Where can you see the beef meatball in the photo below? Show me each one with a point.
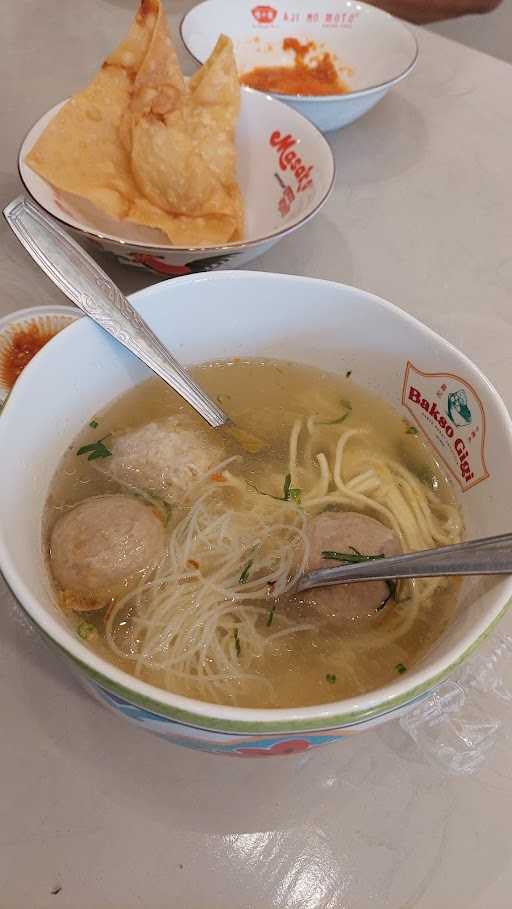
(101, 546)
(339, 531)
(166, 457)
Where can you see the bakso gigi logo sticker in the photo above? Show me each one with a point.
(450, 413)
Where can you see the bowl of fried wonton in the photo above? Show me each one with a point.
(170, 174)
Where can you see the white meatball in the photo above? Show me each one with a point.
(165, 458)
(339, 531)
(101, 546)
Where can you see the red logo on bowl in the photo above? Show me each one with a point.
(264, 15)
(289, 159)
(450, 413)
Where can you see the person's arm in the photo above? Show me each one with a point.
(424, 11)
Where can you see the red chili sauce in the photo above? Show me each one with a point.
(23, 345)
(319, 77)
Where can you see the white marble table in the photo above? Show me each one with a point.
(422, 215)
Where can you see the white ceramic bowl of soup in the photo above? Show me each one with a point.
(243, 314)
(371, 50)
(286, 173)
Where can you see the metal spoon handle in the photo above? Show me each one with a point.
(82, 280)
(491, 555)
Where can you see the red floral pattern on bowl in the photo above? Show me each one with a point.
(293, 746)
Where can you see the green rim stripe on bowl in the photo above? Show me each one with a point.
(217, 725)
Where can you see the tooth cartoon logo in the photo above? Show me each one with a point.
(458, 411)
(450, 413)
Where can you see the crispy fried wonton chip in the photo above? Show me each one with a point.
(144, 147)
(214, 106)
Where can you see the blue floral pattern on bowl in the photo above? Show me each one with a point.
(206, 740)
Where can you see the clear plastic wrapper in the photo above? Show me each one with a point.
(458, 724)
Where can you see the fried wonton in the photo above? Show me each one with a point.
(143, 146)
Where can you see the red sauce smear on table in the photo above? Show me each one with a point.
(320, 77)
(23, 345)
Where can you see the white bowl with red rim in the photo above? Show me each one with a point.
(371, 49)
(285, 169)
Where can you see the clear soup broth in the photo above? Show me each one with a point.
(174, 549)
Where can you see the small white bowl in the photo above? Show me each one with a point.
(276, 202)
(46, 321)
(378, 49)
(253, 314)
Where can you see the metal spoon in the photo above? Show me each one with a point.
(490, 555)
(82, 280)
